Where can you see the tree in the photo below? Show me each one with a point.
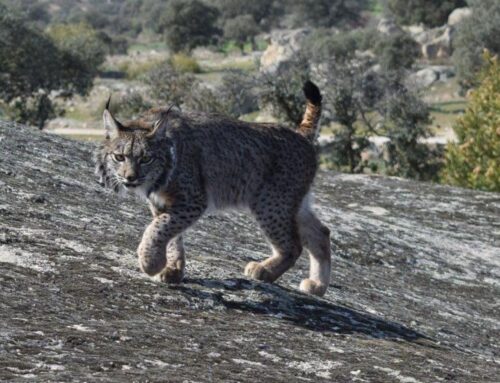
(393, 52)
(359, 100)
(234, 97)
(324, 44)
(474, 34)
(397, 51)
(29, 70)
(241, 29)
(326, 13)
(33, 11)
(474, 161)
(430, 12)
(265, 13)
(187, 24)
(83, 51)
(282, 91)
(349, 94)
(406, 121)
(32, 65)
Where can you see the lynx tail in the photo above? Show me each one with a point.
(310, 122)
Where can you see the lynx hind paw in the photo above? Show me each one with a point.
(256, 271)
(171, 275)
(310, 286)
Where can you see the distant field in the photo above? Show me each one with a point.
(83, 137)
(85, 112)
(143, 47)
(445, 114)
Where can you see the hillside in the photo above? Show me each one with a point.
(414, 294)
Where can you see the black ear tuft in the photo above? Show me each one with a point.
(108, 102)
(312, 93)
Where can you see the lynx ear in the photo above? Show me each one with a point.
(111, 124)
(159, 129)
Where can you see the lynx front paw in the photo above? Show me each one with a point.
(255, 270)
(310, 286)
(171, 275)
(152, 259)
(152, 266)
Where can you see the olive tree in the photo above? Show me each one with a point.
(32, 65)
(187, 24)
(477, 32)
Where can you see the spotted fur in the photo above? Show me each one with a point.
(186, 163)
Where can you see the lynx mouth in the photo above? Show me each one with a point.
(134, 184)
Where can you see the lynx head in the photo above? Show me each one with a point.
(137, 155)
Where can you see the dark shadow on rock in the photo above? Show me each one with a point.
(312, 313)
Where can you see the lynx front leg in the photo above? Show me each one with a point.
(161, 231)
(176, 261)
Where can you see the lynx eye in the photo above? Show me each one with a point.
(119, 157)
(146, 159)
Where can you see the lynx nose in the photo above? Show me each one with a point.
(131, 177)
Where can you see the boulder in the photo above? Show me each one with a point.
(435, 42)
(423, 78)
(425, 36)
(458, 15)
(428, 76)
(413, 298)
(414, 30)
(388, 26)
(438, 47)
(283, 46)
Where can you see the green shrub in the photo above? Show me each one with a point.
(234, 97)
(474, 161)
(183, 63)
(204, 99)
(131, 105)
(137, 70)
(430, 12)
(167, 85)
(33, 110)
(238, 93)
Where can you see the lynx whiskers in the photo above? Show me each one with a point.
(184, 162)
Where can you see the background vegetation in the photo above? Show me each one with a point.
(58, 56)
(474, 161)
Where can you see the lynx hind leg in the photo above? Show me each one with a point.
(176, 262)
(315, 238)
(281, 229)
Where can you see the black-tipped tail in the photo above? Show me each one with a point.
(312, 93)
(310, 122)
